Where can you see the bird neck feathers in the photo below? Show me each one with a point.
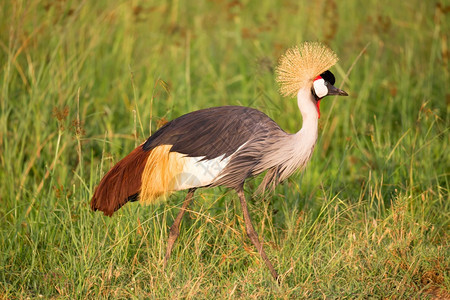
(307, 105)
(307, 136)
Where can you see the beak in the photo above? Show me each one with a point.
(332, 90)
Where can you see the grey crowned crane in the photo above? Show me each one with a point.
(225, 146)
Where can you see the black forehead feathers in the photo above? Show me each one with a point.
(328, 76)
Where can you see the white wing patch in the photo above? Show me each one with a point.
(198, 172)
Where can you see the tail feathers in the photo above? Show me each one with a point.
(121, 184)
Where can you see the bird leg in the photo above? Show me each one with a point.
(251, 233)
(175, 228)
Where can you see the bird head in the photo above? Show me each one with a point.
(307, 67)
(323, 86)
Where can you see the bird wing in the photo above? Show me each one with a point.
(211, 132)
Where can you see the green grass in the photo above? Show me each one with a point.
(83, 82)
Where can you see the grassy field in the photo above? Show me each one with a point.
(83, 82)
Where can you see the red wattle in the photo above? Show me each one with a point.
(318, 101)
(318, 107)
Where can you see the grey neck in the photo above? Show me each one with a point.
(306, 104)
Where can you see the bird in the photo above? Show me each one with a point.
(223, 146)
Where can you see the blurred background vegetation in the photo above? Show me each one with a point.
(84, 82)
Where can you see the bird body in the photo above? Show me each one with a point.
(219, 146)
(223, 146)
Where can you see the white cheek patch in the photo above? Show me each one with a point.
(320, 88)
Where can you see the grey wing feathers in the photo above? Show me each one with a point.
(211, 132)
(251, 159)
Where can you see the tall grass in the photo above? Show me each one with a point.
(83, 82)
